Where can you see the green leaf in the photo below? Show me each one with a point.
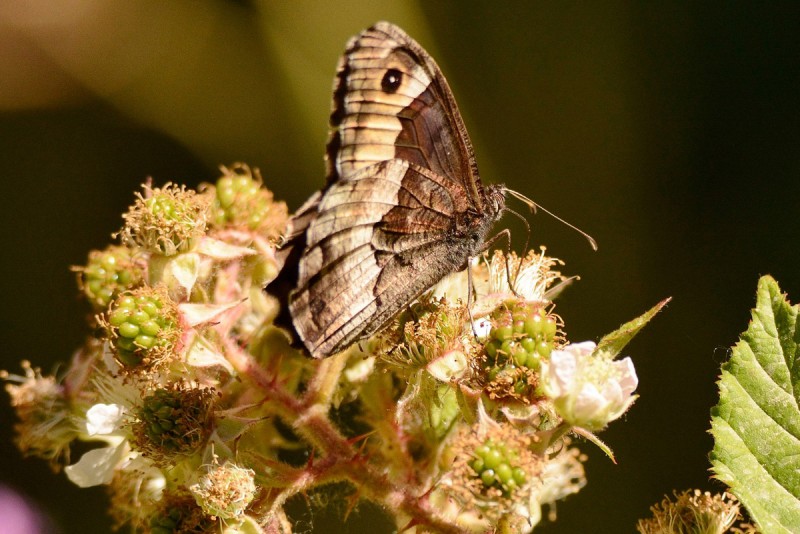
(612, 344)
(756, 424)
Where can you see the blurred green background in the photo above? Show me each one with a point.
(669, 131)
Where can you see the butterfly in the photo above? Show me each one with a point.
(403, 205)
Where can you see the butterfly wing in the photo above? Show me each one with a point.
(403, 206)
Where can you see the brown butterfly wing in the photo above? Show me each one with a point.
(403, 206)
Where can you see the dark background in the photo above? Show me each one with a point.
(669, 131)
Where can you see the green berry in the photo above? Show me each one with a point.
(550, 328)
(491, 348)
(528, 344)
(519, 354)
(145, 341)
(520, 477)
(119, 316)
(150, 327)
(502, 333)
(478, 465)
(544, 349)
(487, 477)
(128, 330)
(533, 325)
(493, 459)
(533, 361)
(504, 473)
(126, 302)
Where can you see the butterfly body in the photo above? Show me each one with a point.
(403, 205)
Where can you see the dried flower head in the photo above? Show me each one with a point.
(225, 491)
(135, 491)
(435, 339)
(45, 427)
(165, 220)
(532, 276)
(562, 475)
(694, 512)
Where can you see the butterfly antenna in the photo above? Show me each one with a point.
(534, 206)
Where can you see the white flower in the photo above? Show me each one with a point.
(589, 390)
(103, 418)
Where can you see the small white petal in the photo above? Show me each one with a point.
(103, 418)
(202, 353)
(197, 314)
(584, 348)
(452, 364)
(629, 381)
(185, 269)
(221, 250)
(96, 466)
(482, 327)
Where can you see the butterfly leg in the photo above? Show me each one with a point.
(507, 235)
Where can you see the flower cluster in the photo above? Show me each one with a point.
(458, 416)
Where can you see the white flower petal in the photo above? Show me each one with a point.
(197, 314)
(482, 327)
(452, 364)
(202, 353)
(96, 466)
(185, 269)
(221, 250)
(103, 418)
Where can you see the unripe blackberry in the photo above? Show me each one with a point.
(494, 463)
(108, 273)
(173, 421)
(167, 220)
(240, 201)
(143, 327)
(522, 334)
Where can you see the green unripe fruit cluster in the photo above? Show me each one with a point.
(163, 207)
(138, 322)
(494, 465)
(173, 421)
(522, 336)
(239, 200)
(107, 274)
